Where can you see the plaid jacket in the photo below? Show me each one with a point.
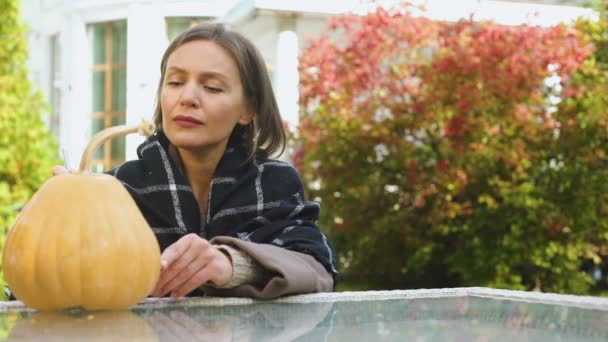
(260, 201)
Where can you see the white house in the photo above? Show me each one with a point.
(97, 61)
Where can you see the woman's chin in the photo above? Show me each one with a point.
(193, 141)
(185, 142)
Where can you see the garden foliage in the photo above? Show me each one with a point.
(27, 149)
(459, 154)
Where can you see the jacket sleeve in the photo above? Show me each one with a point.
(289, 272)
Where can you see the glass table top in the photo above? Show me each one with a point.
(466, 314)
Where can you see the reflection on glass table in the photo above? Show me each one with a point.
(472, 314)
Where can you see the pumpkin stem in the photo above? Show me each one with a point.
(145, 128)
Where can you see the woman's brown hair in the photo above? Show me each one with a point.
(265, 135)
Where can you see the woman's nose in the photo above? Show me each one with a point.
(190, 96)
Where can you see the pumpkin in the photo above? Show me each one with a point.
(81, 241)
(96, 326)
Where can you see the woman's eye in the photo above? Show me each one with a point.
(174, 83)
(214, 89)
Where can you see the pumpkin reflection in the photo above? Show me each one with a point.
(89, 326)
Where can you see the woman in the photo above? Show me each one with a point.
(230, 221)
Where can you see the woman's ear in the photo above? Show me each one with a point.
(246, 118)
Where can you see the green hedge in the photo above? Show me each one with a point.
(27, 149)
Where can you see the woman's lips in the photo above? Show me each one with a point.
(187, 121)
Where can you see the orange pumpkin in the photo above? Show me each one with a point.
(81, 241)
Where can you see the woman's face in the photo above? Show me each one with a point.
(202, 97)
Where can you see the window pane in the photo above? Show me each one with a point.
(96, 126)
(119, 89)
(175, 26)
(99, 43)
(97, 167)
(118, 144)
(99, 91)
(119, 42)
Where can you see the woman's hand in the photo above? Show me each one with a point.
(189, 263)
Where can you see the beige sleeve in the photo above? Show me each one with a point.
(288, 272)
(244, 269)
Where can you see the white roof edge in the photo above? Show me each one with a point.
(241, 10)
(502, 12)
